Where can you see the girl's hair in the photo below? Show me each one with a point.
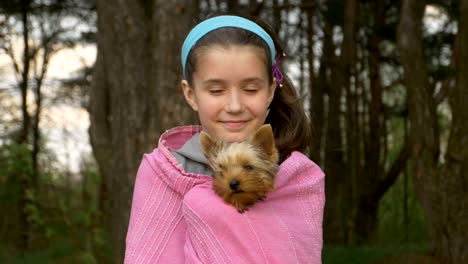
(287, 116)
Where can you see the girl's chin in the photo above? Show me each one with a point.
(233, 134)
(234, 137)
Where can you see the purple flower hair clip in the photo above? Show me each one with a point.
(277, 72)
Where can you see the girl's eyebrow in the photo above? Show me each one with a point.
(214, 81)
(244, 81)
(252, 80)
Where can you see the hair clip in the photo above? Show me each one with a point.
(277, 72)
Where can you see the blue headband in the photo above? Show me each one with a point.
(211, 24)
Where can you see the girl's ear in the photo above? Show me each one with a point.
(272, 92)
(189, 95)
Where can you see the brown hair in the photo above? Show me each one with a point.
(287, 116)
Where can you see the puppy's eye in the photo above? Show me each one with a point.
(248, 167)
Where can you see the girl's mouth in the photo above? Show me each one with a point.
(234, 124)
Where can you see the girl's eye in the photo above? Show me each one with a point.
(252, 87)
(216, 91)
(251, 90)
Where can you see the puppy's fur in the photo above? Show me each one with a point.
(244, 172)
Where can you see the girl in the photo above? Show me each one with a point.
(233, 81)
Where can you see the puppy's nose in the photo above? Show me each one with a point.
(234, 184)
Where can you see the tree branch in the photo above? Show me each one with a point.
(392, 174)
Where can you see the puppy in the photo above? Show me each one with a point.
(244, 172)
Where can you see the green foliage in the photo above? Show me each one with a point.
(15, 172)
(366, 254)
(57, 250)
(15, 165)
(397, 226)
(400, 217)
(65, 219)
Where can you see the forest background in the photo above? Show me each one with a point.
(384, 83)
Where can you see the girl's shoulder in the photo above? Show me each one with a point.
(173, 139)
(299, 167)
(299, 160)
(161, 164)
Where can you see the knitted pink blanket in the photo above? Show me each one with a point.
(177, 218)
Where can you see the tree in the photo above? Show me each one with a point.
(133, 97)
(38, 25)
(441, 186)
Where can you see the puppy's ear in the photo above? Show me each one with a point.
(265, 139)
(209, 145)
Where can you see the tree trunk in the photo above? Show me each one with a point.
(453, 179)
(333, 160)
(367, 181)
(316, 91)
(442, 192)
(137, 68)
(373, 162)
(36, 133)
(423, 136)
(25, 182)
(23, 137)
(165, 49)
(347, 61)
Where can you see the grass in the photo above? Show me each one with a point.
(367, 254)
(60, 252)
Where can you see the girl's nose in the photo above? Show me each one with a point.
(234, 102)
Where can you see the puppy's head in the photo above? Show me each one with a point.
(242, 168)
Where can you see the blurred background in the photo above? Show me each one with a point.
(87, 86)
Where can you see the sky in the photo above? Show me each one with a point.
(65, 126)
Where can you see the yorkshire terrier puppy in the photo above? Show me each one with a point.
(244, 172)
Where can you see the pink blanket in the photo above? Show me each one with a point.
(177, 218)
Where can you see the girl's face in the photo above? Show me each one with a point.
(230, 91)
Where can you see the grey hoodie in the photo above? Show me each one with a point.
(191, 157)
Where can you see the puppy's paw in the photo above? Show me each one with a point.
(242, 210)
